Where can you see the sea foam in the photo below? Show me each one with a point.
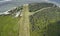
(5, 0)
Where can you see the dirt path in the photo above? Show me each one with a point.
(24, 22)
(39, 10)
(24, 29)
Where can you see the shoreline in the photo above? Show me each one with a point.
(7, 12)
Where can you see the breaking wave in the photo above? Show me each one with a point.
(5, 0)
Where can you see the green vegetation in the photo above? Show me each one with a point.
(43, 23)
(37, 6)
(8, 26)
(53, 29)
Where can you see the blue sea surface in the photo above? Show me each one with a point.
(8, 4)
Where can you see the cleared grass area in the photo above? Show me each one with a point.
(8, 26)
(24, 22)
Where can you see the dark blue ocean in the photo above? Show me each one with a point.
(8, 4)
